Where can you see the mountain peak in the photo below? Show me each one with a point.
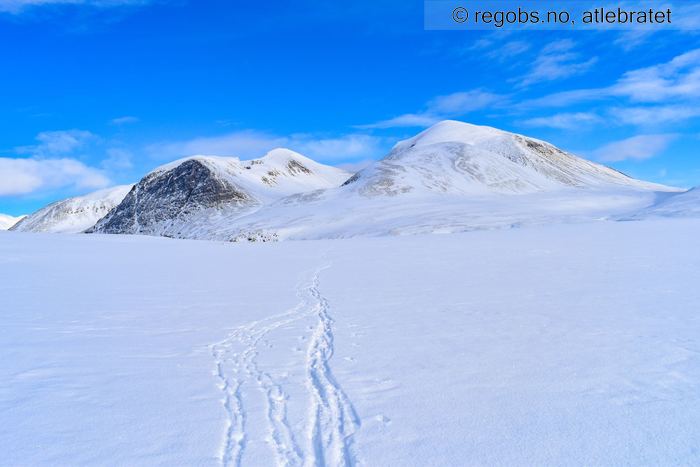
(180, 198)
(283, 154)
(73, 215)
(7, 221)
(457, 157)
(448, 131)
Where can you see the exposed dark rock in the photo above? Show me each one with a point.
(170, 195)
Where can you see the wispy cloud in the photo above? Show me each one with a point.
(53, 143)
(686, 20)
(654, 115)
(639, 147)
(565, 121)
(56, 161)
(19, 6)
(497, 47)
(118, 159)
(345, 147)
(126, 120)
(405, 120)
(508, 50)
(557, 60)
(23, 176)
(251, 144)
(629, 40)
(246, 143)
(443, 107)
(678, 78)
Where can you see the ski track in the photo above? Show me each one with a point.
(332, 420)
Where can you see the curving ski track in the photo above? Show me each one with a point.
(331, 421)
(333, 417)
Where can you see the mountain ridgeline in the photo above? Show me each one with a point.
(452, 177)
(455, 157)
(189, 197)
(73, 215)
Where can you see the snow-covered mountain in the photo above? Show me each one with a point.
(73, 215)
(199, 196)
(686, 204)
(455, 177)
(8, 221)
(456, 157)
(452, 177)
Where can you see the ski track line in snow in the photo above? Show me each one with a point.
(332, 419)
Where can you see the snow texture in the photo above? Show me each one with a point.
(196, 197)
(685, 204)
(75, 214)
(455, 177)
(552, 345)
(8, 221)
(452, 177)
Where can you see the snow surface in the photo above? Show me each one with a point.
(73, 215)
(686, 204)
(555, 345)
(335, 214)
(8, 221)
(269, 177)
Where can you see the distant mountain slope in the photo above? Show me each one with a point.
(456, 157)
(686, 204)
(450, 178)
(196, 196)
(8, 221)
(73, 215)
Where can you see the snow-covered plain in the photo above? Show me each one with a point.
(551, 345)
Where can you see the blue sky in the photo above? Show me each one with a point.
(96, 93)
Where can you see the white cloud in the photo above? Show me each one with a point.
(51, 165)
(18, 6)
(251, 144)
(405, 120)
(557, 60)
(245, 144)
(462, 102)
(345, 147)
(565, 121)
(117, 159)
(23, 176)
(654, 115)
(53, 143)
(686, 19)
(629, 40)
(127, 119)
(508, 51)
(639, 147)
(443, 107)
(677, 79)
(566, 98)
